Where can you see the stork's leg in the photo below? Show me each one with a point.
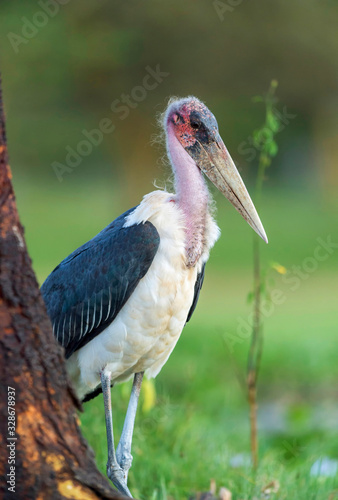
(114, 471)
(123, 451)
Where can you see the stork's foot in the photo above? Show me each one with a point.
(124, 459)
(120, 462)
(118, 477)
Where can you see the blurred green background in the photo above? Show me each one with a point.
(63, 67)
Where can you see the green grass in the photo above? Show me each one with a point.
(200, 419)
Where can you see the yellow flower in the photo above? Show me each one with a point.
(279, 268)
(149, 395)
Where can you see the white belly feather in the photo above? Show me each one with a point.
(146, 330)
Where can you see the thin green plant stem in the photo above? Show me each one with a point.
(256, 346)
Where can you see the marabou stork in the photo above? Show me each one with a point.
(118, 303)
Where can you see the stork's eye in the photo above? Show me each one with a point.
(194, 124)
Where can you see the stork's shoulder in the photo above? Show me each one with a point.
(159, 208)
(162, 210)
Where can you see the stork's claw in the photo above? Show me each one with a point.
(118, 477)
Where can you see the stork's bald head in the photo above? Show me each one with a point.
(191, 124)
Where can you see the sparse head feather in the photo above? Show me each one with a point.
(187, 106)
(190, 119)
(175, 104)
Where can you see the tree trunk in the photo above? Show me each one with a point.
(43, 455)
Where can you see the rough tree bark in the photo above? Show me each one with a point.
(49, 457)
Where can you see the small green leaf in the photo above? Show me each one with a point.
(272, 148)
(250, 297)
(273, 122)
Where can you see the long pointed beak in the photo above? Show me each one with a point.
(219, 167)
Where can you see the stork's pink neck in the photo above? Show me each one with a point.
(192, 196)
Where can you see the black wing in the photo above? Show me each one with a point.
(86, 290)
(198, 286)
